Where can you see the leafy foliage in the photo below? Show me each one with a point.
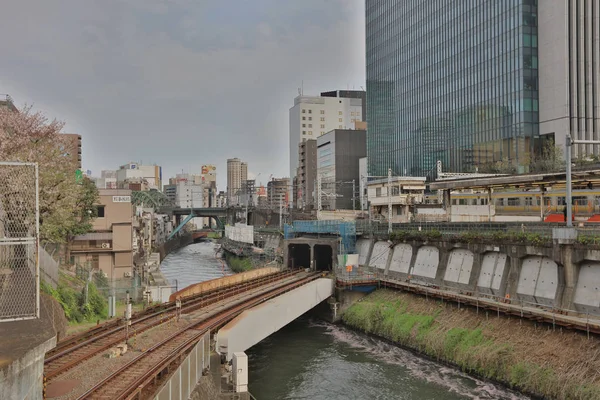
(66, 206)
(73, 302)
(550, 159)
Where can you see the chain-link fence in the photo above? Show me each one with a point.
(19, 232)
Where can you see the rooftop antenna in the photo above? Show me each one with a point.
(302, 92)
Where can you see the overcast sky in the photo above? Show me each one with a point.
(179, 83)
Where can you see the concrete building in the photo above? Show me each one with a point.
(237, 173)
(170, 192)
(338, 155)
(404, 191)
(530, 75)
(7, 102)
(108, 247)
(73, 147)
(137, 173)
(107, 180)
(568, 43)
(312, 116)
(248, 194)
(277, 192)
(307, 174)
(221, 200)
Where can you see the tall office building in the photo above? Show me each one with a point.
(474, 82)
(237, 172)
(313, 116)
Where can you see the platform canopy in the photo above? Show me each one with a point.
(579, 178)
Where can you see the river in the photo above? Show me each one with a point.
(310, 359)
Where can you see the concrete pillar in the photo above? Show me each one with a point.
(389, 260)
(444, 255)
(571, 274)
(370, 253)
(476, 270)
(312, 257)
(415, 250)
(513, 276)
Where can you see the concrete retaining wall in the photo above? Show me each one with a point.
(240, 233)
(560, 275)
(183, 381)
(255, 324)
(174, 244)
(223, 282)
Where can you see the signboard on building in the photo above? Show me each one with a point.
(121, 199)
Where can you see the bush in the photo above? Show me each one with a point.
(73, 302)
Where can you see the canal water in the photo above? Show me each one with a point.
(310, 359)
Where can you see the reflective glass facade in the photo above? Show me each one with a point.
(450, 80)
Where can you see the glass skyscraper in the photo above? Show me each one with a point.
(450, 80)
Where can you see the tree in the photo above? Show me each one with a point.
(504, 166)
(66, 206)
(549, 159)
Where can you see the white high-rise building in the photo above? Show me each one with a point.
(313, 116)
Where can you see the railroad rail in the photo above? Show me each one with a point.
(74, 350)
(135, 379)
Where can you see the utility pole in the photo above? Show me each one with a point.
(319, 203)
(389, 188)
(353, 195)
(569, 197)
(281, 211)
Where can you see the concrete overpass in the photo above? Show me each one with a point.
(257, 323)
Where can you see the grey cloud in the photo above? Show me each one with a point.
(160, 81)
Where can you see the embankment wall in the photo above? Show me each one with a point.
(551, 275)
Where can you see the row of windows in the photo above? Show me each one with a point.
(353, 113)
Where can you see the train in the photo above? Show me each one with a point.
(586, 202)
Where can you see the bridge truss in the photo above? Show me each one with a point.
(150, 198)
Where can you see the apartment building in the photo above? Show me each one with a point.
(109, 247)
(307, 174)
(313, 116)
(137, 173)
(237, 175)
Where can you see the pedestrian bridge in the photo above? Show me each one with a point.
(257, 323)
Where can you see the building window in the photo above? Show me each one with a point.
(322, 126)
(339, 127)
(304, 132)
(310, 125)
(310, 111)
(303, 111)
(100, 210)
(322, 111)
(304, 125)
(352, 114)
(310, 118)
(323, 119)
(310, 133)
(378, 192)
(303, 118)
(339, 113)
(395, 190)
(322, 133)
(339, 119)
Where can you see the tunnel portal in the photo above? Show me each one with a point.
(307, 252)
(323, 257)
(299, 255)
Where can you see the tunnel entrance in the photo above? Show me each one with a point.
(299, 255)
(323, 257)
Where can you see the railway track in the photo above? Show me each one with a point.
(131, 380)
(74, 350)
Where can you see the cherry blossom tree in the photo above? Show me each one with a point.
(66, 206)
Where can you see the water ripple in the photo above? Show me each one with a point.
(192, 264)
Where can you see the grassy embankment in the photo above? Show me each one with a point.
(534, 359)
(238, 264)
(70, 293)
